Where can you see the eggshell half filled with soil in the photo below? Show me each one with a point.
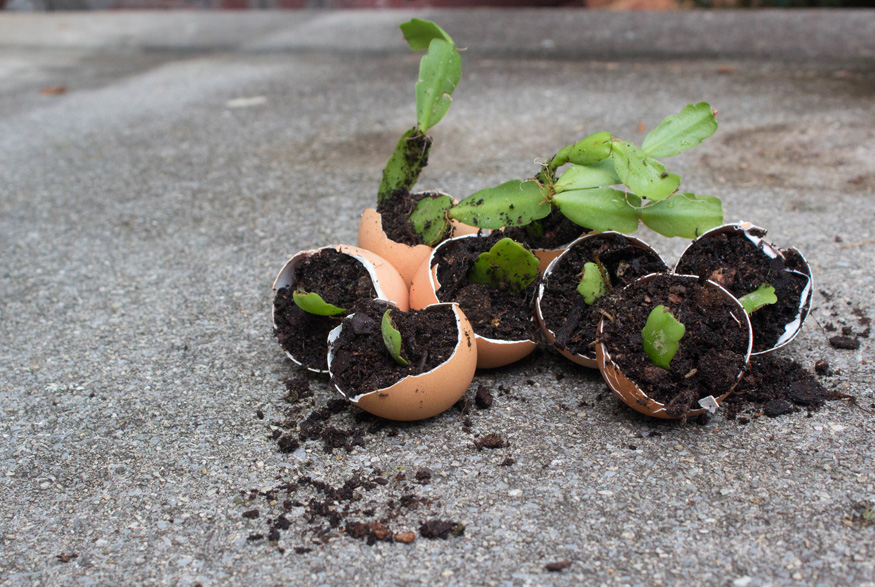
(386, 281)
(405, 258)
(491, 352)
(417, 397)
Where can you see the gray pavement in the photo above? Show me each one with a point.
(145, 211)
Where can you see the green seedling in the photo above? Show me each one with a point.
(507, 264)
(609, 184)
(593, 283)
(392, 339)
(439, 72)
(312, 303)
(762, 296)
(661, 335)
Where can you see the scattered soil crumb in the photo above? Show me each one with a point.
(490, 441)
(65, 558)
(557, 566)
(483, 398)
(846, 343)
(441, 529)
(507, 462)
(405, 537)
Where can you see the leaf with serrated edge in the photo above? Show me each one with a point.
(682, 131)
(507, 262)
(643, 174)
(579, 177)
(592, 284)
(312, 303)
(683, 215)
(429, 218)
(513, 203)
(600, 209)
(439, 73)
(419, 33)
(392, 339)
(661, 335)
(764, 295)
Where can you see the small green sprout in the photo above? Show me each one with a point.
(661, 335)
(592, 284)
(392, 339)
(312, 303)
(507, 264)
(762, 296)
(585, 193)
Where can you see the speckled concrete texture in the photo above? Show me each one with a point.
(145, 211)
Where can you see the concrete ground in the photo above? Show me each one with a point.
(156, 170)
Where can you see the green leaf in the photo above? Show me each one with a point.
(404, 166)
(392, 339)
(679, 132)
(439, 72)
(661, 335)
(762, 296)
(578, 177)
(419, 33)
(312, 303)
(506, 263)
(594, 148)
(643, 174)
(684, 215)
(600, 209)
(430, 220)
(513, 203)
(592, 284)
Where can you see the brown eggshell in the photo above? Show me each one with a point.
(549, 335)
(490, 352)
(386, 280)
(405, 258)
(545, 257)
(422, 396)
(757, 235)
(632, 395)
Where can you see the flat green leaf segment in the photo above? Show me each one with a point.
(579, 177)
(419, 33)
(592, 284)
(513, 203)
(600, 209)
(762, 296)
(683, 215)
(404, 166)
(592, 149)
(679, 132)
(643, 174)
(507, 263)
(312, 303)
(439, 73)
(661, 335)
(392, 339)
(430, 219)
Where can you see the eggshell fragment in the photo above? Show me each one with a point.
(417, 397)
(491, 352)
(405, 258)
(636, 398)
(387, 283)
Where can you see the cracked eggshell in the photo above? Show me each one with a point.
(405, 258)
(636, 398)
(417, 397)
(583, 360)
(388, 284)
(491, 352)
(756, 234)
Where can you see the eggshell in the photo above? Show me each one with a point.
(545, 257)
(757, 235)
(405, 258)
(388, 284)
(549, 335)
(633, 396)
(422, 396)
(491, 352)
